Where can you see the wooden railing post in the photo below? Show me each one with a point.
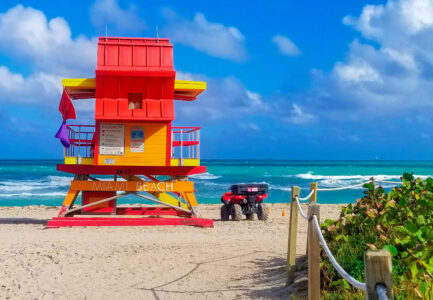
(378, 270)
(293, 230)
(313, 253)
(313, 198)
(313, 186)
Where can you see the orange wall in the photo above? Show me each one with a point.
(155, 146)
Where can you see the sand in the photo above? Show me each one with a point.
(233, 260)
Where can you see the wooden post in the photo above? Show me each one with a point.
(313, 198)
(293, 230)
(378, 269)
(313, 186)
(313, 254)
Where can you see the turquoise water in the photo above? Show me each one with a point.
(35, 182)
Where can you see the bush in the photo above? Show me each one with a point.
(400, 222)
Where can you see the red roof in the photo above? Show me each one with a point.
(134, 67)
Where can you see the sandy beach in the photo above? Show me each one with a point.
(233, 260)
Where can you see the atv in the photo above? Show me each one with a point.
(245, 199)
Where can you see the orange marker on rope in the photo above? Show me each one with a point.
(284, 213)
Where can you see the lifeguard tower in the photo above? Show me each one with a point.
(132, 142)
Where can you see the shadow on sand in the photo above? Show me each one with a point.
(273, 280)
(29, 221)
(269, 282)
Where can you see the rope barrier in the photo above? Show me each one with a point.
(381, 292)
(380, 288)
(300, 209)
(343, 273)
(308, 197)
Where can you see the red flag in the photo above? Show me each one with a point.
(66, 108)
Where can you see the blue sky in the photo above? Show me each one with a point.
(286, 79)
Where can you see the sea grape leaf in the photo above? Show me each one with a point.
(413, 269)
(411, 227)
(391, 249)
(346, 284)
(399, 221)
(407, 177)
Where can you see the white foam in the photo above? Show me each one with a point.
(205, 176)
(49, 182)
(280, 188)
(214, 184)
(24, 194)
(347, 180)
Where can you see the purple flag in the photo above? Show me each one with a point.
(62, 135)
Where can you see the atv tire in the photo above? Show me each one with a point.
(236, 212)
(262, 212)
(250, 216)
(225, 212)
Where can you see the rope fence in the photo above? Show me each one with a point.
(378, 266)
(300, 209)
(308, 197)
(337, 267)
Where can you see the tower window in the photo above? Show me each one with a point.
(135, 100)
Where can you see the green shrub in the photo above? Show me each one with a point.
(401, 222)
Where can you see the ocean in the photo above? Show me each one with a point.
(37, 182)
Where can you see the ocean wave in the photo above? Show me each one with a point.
(347, 180)
(205, 176)
(211, 184)
(24, 194)
(310, 175)
(48, 182)
(280, 188)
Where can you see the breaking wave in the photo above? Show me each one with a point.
(205, 176)
(49, 182)
(347, 180)
(20, 195)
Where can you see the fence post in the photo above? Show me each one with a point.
(378, 269)
(313, 186)
(313, 198)
(293, 230)
(313, 254)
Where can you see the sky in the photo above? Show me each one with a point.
(321, 80)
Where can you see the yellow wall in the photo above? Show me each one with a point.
(72, 160)
(155, 147)
(189, 162)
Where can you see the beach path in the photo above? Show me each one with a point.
(233, 260)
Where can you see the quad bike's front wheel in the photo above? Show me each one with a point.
(236, 212)
(262, 212)
(225, 212)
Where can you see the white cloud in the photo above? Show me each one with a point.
(38, 87)
(298, 116)
(225, 99)
(356, 72)
(47, 49)
(214, 39)
(407, 17)
(285, 45)
(27, 36)
(255, 98)
(249, 126)
(391, 76)
(109, 13)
